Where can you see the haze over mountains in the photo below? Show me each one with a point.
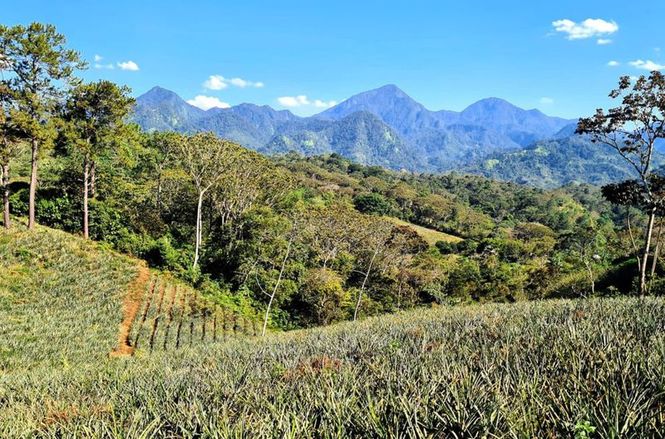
(387, 127)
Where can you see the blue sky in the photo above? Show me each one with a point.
(305, 55)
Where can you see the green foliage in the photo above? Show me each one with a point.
(373, 204)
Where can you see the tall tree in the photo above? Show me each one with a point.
(41, 69)
(164, 147)
(94, 116)
(10, 142)
(373, 236)
(204, 158)
(632, 129)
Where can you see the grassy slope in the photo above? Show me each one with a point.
(62, 300)
(523, 370)
(431, 236)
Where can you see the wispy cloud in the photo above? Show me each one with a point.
(207, 102)
(603, 41)
(546, 100)
(613, 63)
(589, 28)
(218, 82)
(304, 101)
(647, 65)
(128, 65)
(102, 66)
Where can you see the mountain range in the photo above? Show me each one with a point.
(386, 127)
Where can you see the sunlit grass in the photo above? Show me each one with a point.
(430, 236)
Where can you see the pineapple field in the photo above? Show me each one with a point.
(96, 345)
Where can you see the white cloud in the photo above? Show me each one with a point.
(324, 104)
(128, 65)
(546, 101)
(293, 101)
(647, 65)
(304, 101)
(603, 41)
(207, 102)
(104, 66)
(589, 28)
(218, 82)
(613, 63)
(98, 58)
(215, 82)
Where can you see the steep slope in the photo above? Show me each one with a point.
(360, 136)
(66, 300)
(557, 162)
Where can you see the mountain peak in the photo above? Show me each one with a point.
(158, 94)
(392, 105)
(492, 103)
(389, 89)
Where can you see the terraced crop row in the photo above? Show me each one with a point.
(171, 315)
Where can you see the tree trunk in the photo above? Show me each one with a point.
(199, 208)
(274, 290)
(33, 184)
(93, 179)
(654, 261)
(86, 185)
(592, 278)
(632, 240)
(645, 255)
(362, 287)
(5, 195)
(158, 201)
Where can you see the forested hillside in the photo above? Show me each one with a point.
(558, 162)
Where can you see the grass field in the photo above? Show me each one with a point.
(531, 369)
(431, 236)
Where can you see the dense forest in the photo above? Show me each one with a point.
(308, 241)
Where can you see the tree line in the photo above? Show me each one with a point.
(312, 241)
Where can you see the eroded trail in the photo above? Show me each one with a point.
(131, 304)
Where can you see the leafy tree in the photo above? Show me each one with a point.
(10, 143)
(165, 147)
(94, 116)
(374, 204)
(632, 129)
(205, 158)
(587, 243)
(323, 292)
(40, 65)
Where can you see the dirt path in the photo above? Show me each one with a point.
(130, 307)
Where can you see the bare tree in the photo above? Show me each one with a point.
(632, 130)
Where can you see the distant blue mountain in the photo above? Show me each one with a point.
(383, 127)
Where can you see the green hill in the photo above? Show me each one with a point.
(532, 369)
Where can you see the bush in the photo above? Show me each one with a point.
(373, 204)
